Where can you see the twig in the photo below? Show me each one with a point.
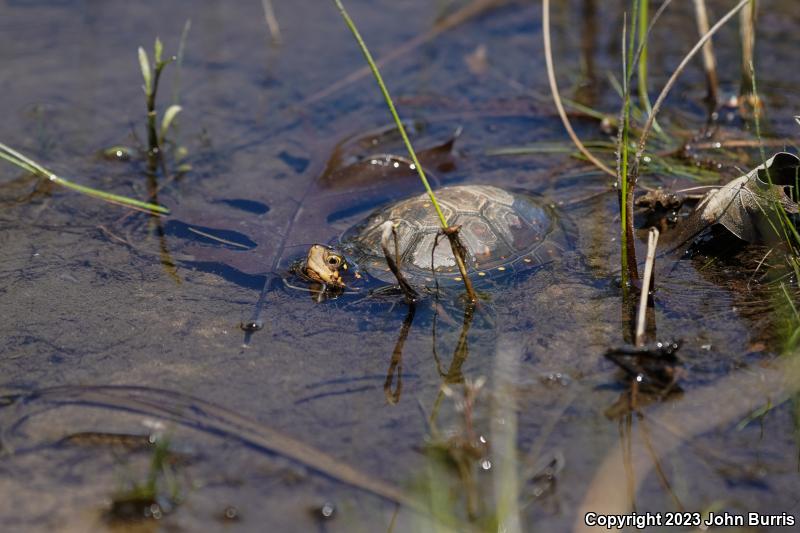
(388, 232)
(652, 241)
(503, 431)
(741, 143)
(758, 267)
(709, 61)
(176, 85)
(551, 76)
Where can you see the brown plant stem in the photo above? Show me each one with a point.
(551, 76)
(389, 236)
(747, 29)
(671, 82)
(709, 61)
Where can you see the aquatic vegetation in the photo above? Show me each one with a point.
(457, 247)
(155, 496)
(151, 74)
(16, 158)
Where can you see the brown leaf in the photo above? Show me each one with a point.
(748, 206)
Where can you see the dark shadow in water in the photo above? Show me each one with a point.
(453, 374)
(396, 366)
(250, 206)
(169, 264)
(203, 234)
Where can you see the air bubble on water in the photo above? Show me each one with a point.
(327, 510)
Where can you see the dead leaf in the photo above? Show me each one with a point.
(747, 206)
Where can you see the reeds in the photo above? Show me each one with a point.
(709, 61)
(747, 29)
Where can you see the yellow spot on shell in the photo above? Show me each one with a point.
(457, 278)
(501, 268)
(527, 259)
(481, 273)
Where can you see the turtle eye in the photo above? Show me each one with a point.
(334, 260)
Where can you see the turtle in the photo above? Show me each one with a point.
(246, 240)
(502, 230)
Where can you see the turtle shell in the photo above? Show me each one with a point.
(500, 229)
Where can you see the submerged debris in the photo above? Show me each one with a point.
(230, 514)
(659, 199)
(154, 497)
(655, 367)
(544, 475)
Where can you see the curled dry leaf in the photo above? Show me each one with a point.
(748, 206)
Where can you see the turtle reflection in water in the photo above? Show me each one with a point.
(500, 229)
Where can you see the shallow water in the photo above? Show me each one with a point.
(92, 296)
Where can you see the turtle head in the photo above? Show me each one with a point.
(325, 265)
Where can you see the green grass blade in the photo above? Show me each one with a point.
(144, 63)
(16, 158)
(390, 104)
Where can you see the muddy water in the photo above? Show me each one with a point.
(115, 323)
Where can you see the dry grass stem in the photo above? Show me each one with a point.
(272, 21)
(671, 82)
(747, 29)
(709, 60)
(551, 76)
(652, 242)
